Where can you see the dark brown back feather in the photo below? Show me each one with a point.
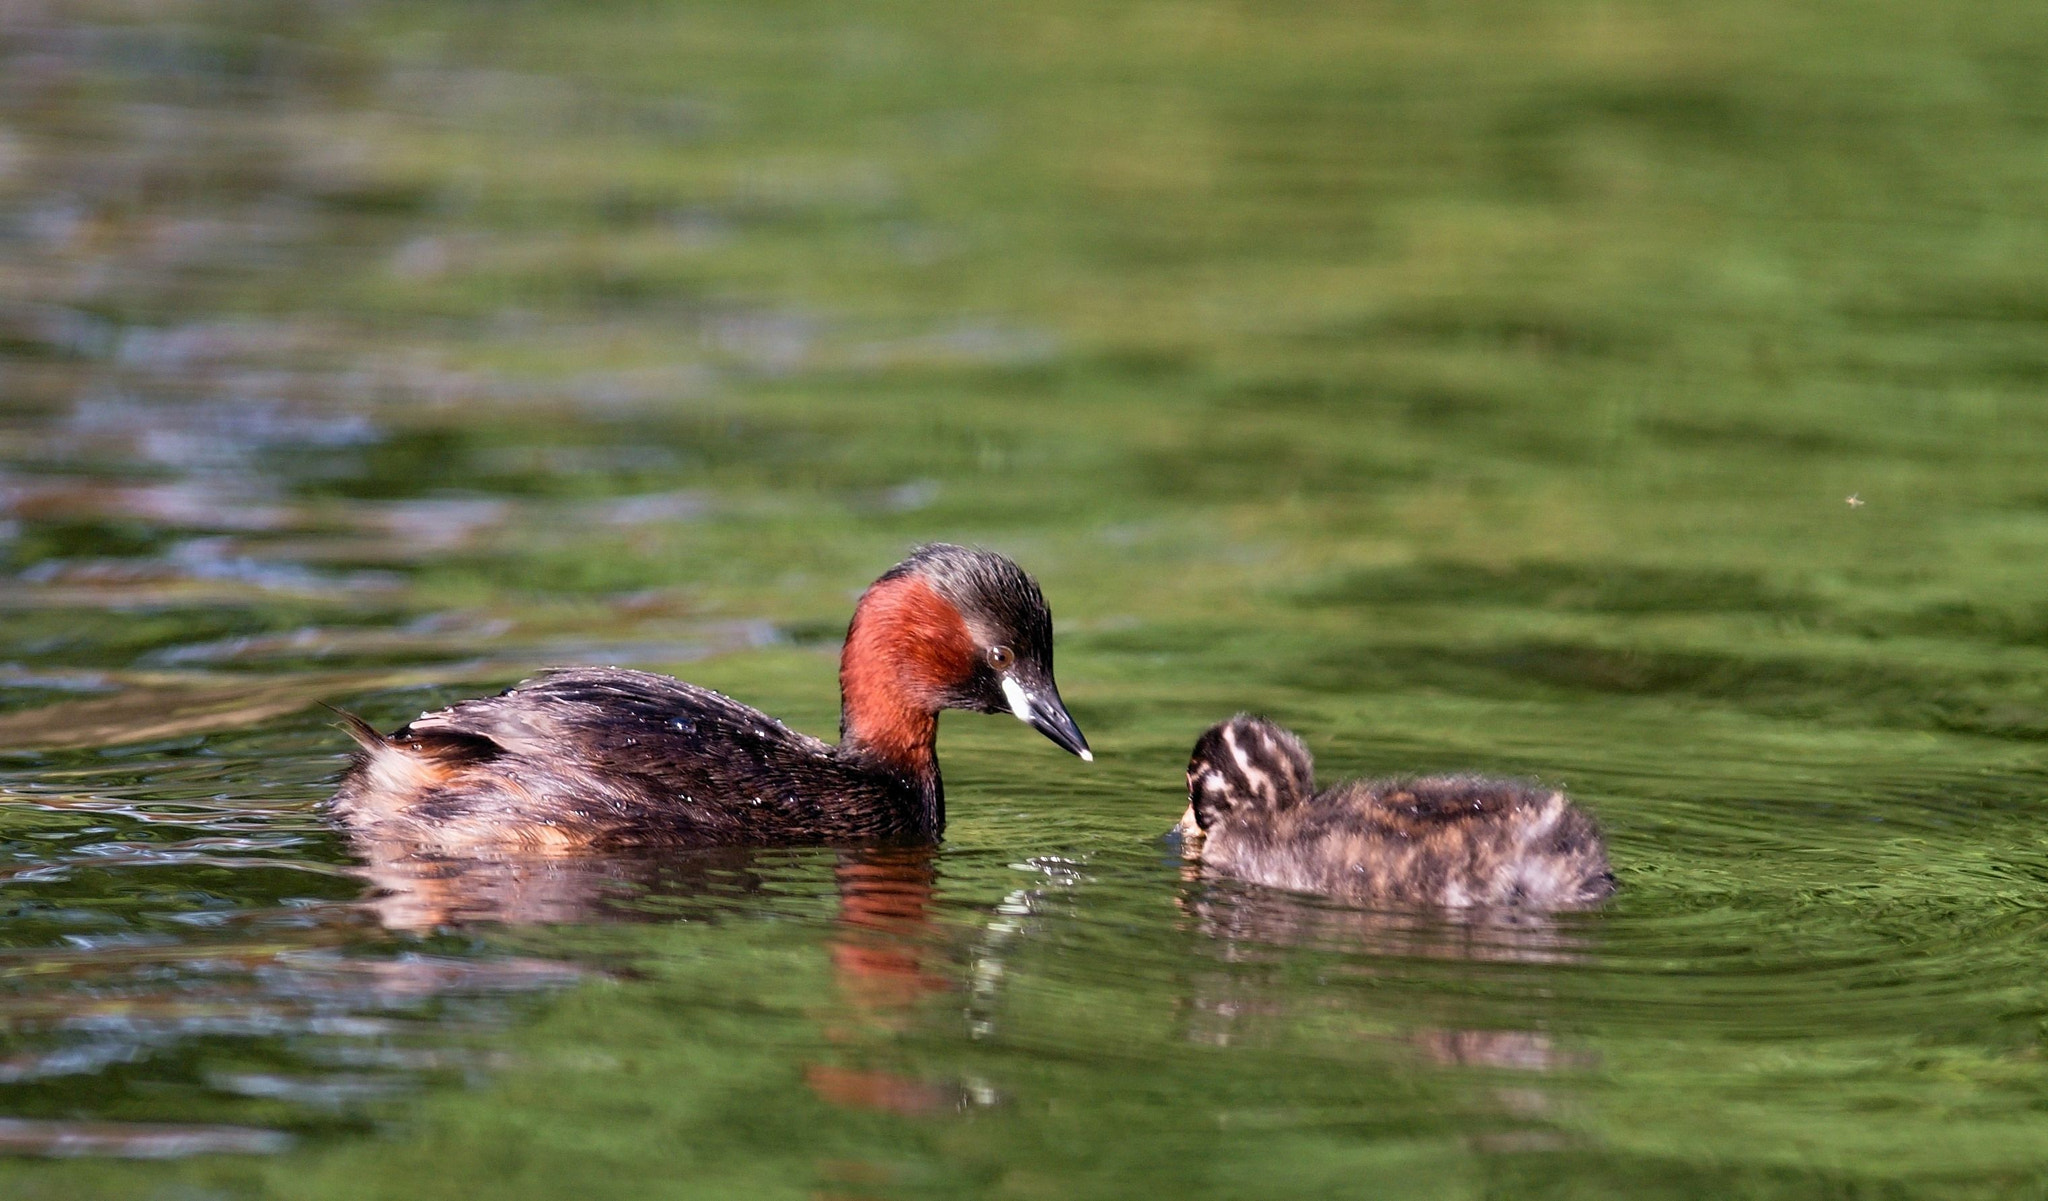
(612, 757)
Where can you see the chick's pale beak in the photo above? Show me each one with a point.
(1044, 712)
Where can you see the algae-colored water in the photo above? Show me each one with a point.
(1643, 397)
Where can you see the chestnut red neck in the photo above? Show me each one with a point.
(906, 648)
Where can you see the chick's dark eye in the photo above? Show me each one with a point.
(1000, 657)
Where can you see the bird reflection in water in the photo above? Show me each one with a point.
(417, 890)
(1249, 921)
(1256, 930)
(881, 944)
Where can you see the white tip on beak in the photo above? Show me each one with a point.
(1019, 703)
(1048, 717)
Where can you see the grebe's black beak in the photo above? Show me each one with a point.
(1042, 710)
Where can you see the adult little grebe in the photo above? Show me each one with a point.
(605, 757)
(1453, 842)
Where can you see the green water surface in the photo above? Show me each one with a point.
(1646, 397)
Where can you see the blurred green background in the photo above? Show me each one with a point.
(1644, 396)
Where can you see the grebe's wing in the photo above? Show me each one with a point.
(627, 721)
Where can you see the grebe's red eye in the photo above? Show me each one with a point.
(1000, 657)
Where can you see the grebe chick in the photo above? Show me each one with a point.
(605, 757)
(1450, 842)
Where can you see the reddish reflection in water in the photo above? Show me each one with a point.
(879, 948)
(883, 933)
